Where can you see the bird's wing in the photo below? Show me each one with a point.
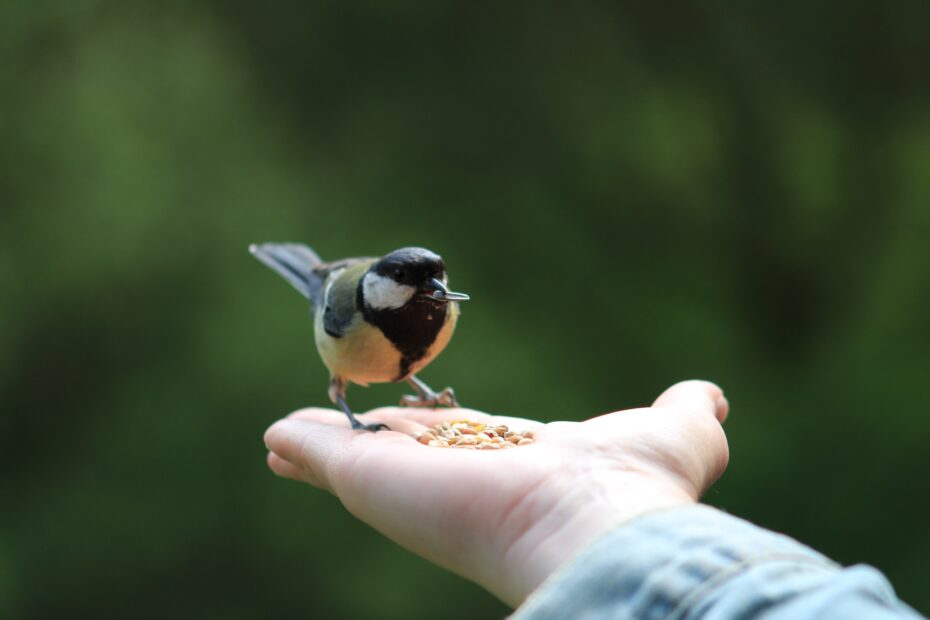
(339, 307)
(302, 267)
(296, 263)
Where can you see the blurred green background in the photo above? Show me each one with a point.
(633, 194)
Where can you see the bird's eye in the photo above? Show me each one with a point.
(398, 274)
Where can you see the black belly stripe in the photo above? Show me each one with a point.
(412, 329)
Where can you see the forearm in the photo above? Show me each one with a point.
(695, 562)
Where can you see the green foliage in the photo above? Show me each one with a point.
(631, 194)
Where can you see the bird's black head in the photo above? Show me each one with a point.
(405, 275)
(411, 267)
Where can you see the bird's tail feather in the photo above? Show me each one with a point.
(294, 262)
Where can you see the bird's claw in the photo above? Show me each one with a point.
(445, 398)
(374, 428)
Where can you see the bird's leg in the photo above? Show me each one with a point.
(426, 397)
(337, 394)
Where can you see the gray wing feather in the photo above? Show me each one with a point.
(304, 270)
(339, 300)
(297, 264)
(338, 311)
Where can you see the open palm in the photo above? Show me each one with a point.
(507, 519)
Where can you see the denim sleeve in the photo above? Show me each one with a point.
(699, 562)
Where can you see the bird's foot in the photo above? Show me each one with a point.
(358, 426)
(336, 393)
(445, 398)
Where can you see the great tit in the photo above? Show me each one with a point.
(376, 320)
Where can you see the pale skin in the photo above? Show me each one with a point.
(508, 519)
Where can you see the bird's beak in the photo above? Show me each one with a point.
(440, 292)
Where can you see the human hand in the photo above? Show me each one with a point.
(507, 519)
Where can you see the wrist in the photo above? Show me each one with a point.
(579, 514)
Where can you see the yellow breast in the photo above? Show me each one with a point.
(364, 355)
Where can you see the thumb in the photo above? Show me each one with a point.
(696, 409)
(701, 397)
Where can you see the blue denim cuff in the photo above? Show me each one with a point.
(697, 561)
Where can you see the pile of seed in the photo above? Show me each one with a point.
(469, 435)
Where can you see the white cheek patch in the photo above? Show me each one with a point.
(384, 293)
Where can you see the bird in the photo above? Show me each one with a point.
(376, 320)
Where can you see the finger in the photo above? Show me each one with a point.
(431, 417)
(413, 419)
(287, 440)
(696, 397)
(318, 414)
(321, 448)
(286, 469)
(338, 418)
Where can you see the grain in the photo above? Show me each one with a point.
(469, 435)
